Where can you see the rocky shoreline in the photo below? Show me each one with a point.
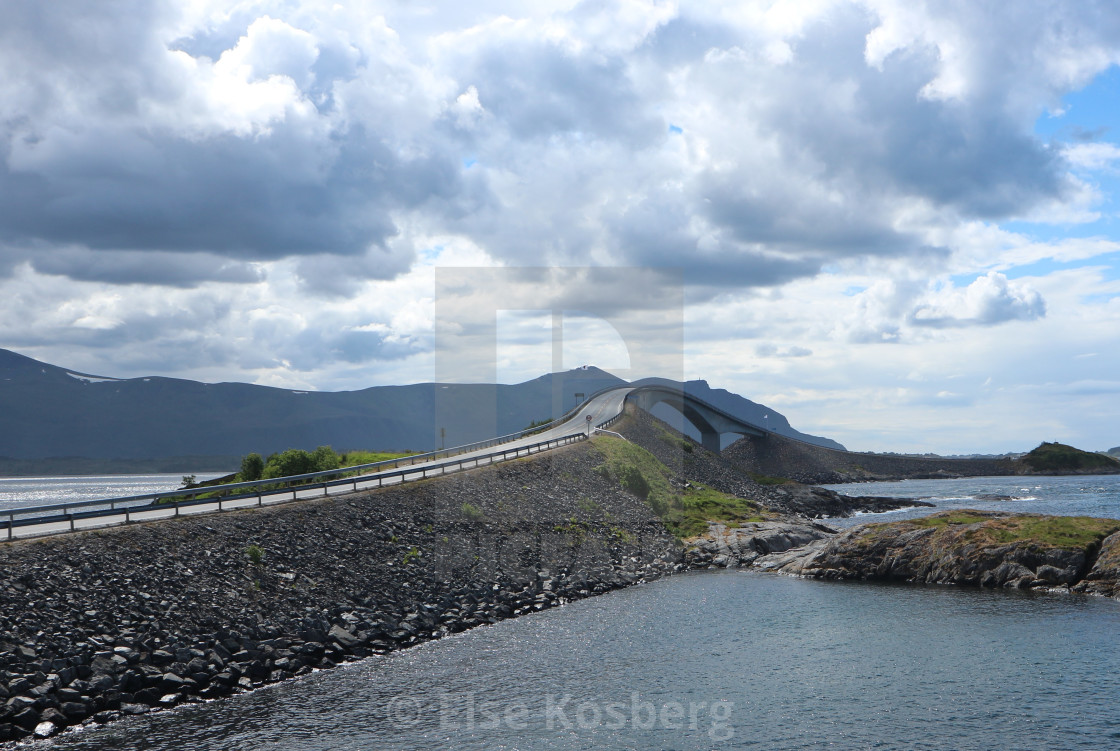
(971, 548)
(129, 620)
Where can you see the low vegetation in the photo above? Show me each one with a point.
(769, 480)
(1067, 532)
(536, 426)
(682, 443)
(255, 554)
(1058, 457)
(685, 508)
(300, 462)
(254, 467)
(472, 512)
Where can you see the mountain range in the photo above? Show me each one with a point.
(50, 411)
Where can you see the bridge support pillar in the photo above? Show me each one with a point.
(710, 441)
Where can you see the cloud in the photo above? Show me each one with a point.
(259, 191)
(771, 350)
(988, 301)
(1093, 156)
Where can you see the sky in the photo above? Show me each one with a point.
(893, 221)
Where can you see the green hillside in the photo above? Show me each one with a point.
(1058, 457)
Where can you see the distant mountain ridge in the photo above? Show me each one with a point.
(50, 411)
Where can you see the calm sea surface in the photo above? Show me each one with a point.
(718, 660)
(19, 492)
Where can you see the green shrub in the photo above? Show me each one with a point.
(633, 480)
(255, 553)
(252, 467)
(472, 512)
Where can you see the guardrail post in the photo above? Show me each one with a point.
(11, 524)
(260, 499)
(127, 515)
(71, 522)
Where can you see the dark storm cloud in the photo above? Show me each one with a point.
(659, 232)
(241, 197)
(83, 162)
(132, 267)
(878, 130)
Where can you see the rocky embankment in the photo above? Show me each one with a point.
(987, 549)
(129, 620)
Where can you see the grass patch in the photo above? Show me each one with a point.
(685, 512)
(354, 458)
(1053, 531)
(676, 442)
(472, 512)
(769, 480)
(947, 518)
(1066, 532)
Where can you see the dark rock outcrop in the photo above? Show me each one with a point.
(814, 502)
(1104, 577)
(725, 546)
(980, 548)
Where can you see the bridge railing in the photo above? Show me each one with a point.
(188, 494)
(136, 509)
(366, 474)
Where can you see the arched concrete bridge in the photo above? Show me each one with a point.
(710, 421)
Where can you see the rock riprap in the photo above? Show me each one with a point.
(129, 620)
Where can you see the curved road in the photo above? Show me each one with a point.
(599, 408)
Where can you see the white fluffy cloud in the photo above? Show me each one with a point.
(259, 191)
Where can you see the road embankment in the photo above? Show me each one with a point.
(132, 619)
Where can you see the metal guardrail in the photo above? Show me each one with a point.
(189, 494)
(70, 513)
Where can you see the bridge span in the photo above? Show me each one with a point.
(709, 420)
